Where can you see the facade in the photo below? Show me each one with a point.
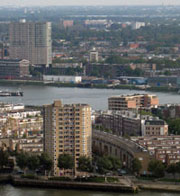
(122, 148)
(130, 123)
(164, 148)
(33, 145)
(31, 41)
(72, 79)
(154, 127)
(14, 69)
(67, 129)
(94, 57)
(68, 23)
(138, 25)
(135, 101)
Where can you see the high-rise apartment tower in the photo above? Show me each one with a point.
(67, 130)
(31, 41)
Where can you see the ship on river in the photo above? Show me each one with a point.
(11, 93)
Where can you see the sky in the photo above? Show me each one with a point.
(86, 2)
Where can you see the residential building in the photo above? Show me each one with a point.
(67, 129)
(14, 69)
(130, 123)
(31, 41)
(94, 55)
(154, 127)
(164, 148)
(138, 25)
(125, 102)
(32, 145)
(68, 23)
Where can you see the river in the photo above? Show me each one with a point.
(97, 98)
(8, 190)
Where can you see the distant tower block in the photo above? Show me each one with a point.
(94, 57)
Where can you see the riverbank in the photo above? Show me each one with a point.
(97, 86)
(135, 187)
(90, 186)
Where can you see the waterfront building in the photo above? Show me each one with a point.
(125, 102)
(31, 41)
(130, 123)
(67, 129)
(163, 148)
(14, 68)
(53, 78)
(122, 148)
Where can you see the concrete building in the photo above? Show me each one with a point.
(67, 129)
(93, 56)
(14, 69)
(68, 23)
(138, 25)
(71, 79)
(31, 41)
(135, 101)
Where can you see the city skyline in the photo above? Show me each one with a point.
(93, 2)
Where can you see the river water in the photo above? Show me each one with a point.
(97, 98)
(8, 190)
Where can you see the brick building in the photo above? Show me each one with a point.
(14, 68)
(135, 101)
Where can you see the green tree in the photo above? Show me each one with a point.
(45, 162)
(157, 168)
(136, 165)
(172, 169)
(116, 163)
(84, 164)
(174, 126)
(33, 162)
(3, 158)
(104, 165)
(22, 160)
(65, 161)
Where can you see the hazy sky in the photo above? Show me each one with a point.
(87, 2)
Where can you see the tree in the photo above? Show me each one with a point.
(174, 126)
(33, 162)
(45, 162)
(85, 164)
(104, 164)
(3, 158)
(172, 169)
(178, 167)
(136, 165)
(156, 168)
(65, 161)
(116, 163)
(22, 160)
